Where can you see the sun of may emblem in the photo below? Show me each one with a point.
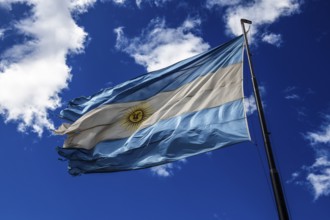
(135, 116)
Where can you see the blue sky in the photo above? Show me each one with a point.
(54, 51)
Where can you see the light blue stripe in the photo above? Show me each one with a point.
(164, 80)
(165, 141)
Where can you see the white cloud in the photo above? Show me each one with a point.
(317, 175)
(166, 170)
(293, 97)
(260, 12)
(212, 3)
(81, 5)
(34, 72)
(295, 93)
(160, 3)
(262, 90)
(320, 182)
(120, 39)
(119, 2)
(290, 89)
(190, 24)
(320, 137)
(138, 3)
(250, 105)
(157, 3)
(2, 33)
(274, 39)
(159, 46)
(250, 101)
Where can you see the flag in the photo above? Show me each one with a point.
(188, 108)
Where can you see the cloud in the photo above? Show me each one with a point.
(271, 38)
(293, 97)
(118, 2)
(81, 6)
(289, 89)
(120, 39)
(164, 170)
(260, 12)
(250, 105)
(291, 93)
(250, 101)
(159, 46)
(167, 170)
(212, 3)
(157, 3)
(34, 72)
(138, 3)
(317, 175)
(2, 33)
(320, 137)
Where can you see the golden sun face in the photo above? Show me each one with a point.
(135, 116)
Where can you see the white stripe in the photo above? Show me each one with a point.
(106, 122)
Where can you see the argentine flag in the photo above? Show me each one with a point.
(191, 107)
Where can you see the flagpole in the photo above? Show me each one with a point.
(274, 176)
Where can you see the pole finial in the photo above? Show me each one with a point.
(246, 21)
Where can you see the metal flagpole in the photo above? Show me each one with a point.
(276, 183)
